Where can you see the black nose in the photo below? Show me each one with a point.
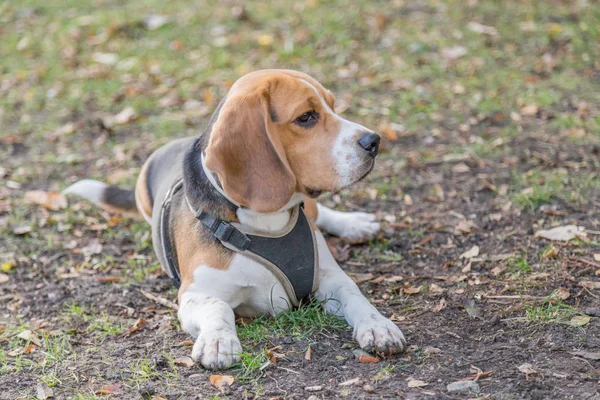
(370, 142)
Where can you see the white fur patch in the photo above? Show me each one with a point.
(347, 154)
(372, 330)
(207, 307)
(269, 221)
(355, 226)
(88, 189)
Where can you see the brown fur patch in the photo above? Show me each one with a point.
(142, 194)
(310, 209)
(193, 249)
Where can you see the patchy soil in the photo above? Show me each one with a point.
(489, 113)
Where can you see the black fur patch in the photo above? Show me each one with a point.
(199, 190)
(120, 198)
(313, 192)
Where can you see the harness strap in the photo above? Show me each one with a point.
(168, 252)
(222, 230)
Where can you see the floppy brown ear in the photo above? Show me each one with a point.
(246, 153)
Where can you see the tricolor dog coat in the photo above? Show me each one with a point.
(233, 215)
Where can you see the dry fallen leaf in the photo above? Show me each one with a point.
(393, 279)
(597, 256)
(587, 354)
(3, 278)
(552, 252)
(43, 392)
(408, 201)
(21, 229)
(389, 132)
(30, 336)
(124, 117)
(452, 53)
(155, 21)
(414, 383)
(560, 293)
(528, 370)
(360, 278)
(529, 109)
(50, 200)
(562, 233)
(93, 247)
(15, 352)
(108, 279)
(139, 324)
(580, 320)
(221, 381)
(308, 354)
(464, 226)
(471, 253)
(350, 382)
(411, 289)
(368, 359)
(483, 29)
(498, 270)
(185, 361)
(109, 389)
(431, 350)
(435, 288)
(29, 349)
(339, 250)
(590, 284)
(496, 217)
(105, 58)
(440, 306)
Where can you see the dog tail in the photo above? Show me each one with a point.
(111, 198)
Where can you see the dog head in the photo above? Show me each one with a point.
(276, 134)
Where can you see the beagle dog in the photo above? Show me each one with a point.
(273, 144)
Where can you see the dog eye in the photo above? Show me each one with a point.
(308, 119)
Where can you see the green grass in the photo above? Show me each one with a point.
(537, 188)
(105, 325)
(519, 267)
(300, 323)
(252, 364)
(100, 324)
(385, 373)
(549, 312)
(51, 379)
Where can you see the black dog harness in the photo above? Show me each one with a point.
(290, 254)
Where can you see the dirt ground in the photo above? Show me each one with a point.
(491, 126)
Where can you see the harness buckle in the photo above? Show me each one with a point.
(224, 231)
(227, 233)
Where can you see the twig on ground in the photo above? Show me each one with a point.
(159, 300)
(516, 297)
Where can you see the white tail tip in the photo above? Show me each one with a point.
(88, 189)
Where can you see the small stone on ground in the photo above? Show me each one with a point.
(463, 387)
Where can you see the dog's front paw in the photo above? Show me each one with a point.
(379, 335)
(217, 349)
(359, 227)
